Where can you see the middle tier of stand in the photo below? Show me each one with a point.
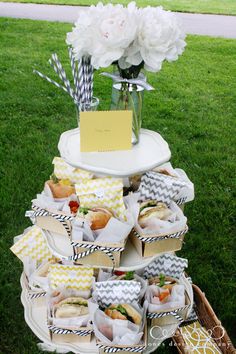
(61, 247)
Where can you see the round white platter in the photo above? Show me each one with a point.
(61, 247)
(36, 318)
(151, 152)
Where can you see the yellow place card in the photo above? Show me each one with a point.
(105, 131)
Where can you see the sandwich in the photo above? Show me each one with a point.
(60, 188)
(71, 307)
(153, 209)
(162, 281)
(167, 173)
(123, 312)
(124, 275)
(165, 286)
(43, 270)
(97, 217)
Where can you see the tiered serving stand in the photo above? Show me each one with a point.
(151, 152)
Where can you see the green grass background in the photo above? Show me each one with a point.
(227, 7)
(193, 107)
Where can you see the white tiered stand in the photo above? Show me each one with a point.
(151, 152)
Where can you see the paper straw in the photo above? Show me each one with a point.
(90, 82)
(62, 75)
(80, 78)
(50, 80)
(74, 72)
(83, 81)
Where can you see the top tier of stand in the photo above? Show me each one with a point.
(151, 152)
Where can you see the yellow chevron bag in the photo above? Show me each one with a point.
(102, 192)
(63, 170)
(32, 245)
(70, 277)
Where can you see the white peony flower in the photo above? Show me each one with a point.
(159, 37)
(131, 36)
(104, 32)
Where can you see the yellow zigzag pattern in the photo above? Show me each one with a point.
(70, 276)
(113, 194)
(95, 184)
(32, 245)
(64, 171)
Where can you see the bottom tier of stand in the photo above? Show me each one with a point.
(35, 312)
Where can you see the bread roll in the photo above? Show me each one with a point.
(97, 217)
(114, 314)
(124, 312)
(71, 307)
(153, 209)
(60, 190)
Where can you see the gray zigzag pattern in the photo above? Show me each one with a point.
(107, 292)
(161, 265)
(156, 186)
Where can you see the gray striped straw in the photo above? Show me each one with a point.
(62, 75)
(74, 72)
(50, 80)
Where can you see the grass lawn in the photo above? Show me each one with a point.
(227, 7)
(193, 107)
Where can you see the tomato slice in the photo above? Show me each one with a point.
(118, 272)
(163, 295)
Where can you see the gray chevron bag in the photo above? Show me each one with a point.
(116, 291)
(157, 186)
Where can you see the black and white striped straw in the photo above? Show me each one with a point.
(82, 73)
(74, 73)
(50, 80)
(62, 75)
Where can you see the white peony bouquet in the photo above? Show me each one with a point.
(131, 37)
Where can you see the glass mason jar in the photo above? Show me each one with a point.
(127, 96)
(85, 107)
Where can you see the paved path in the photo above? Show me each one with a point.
(211, 25)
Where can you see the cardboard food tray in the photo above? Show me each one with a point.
(148, 245)
(138, 348)
(167, 318)
(56, 221)
(99, 257)
(37, 297)
(63, 335)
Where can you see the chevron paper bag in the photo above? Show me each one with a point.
(32, 245)
(116, 291)
(167, 264)
(186, 193)
(157, 186)
(70, 277)
(63, 170)
(175, 307)
(102, 192)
